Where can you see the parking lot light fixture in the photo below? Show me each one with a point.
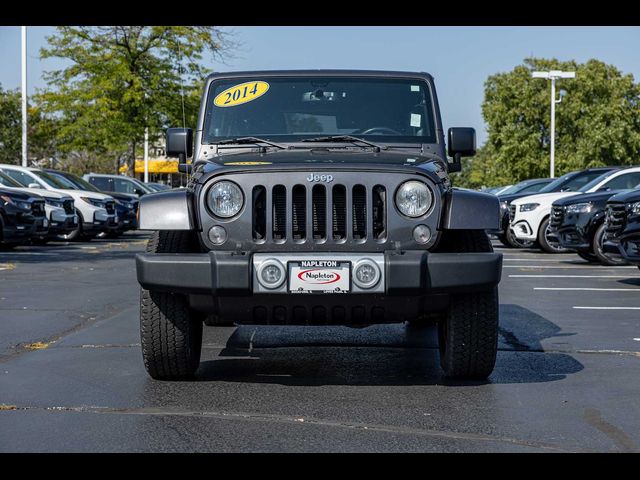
(553, 75)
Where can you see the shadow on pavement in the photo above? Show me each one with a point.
(381, 355)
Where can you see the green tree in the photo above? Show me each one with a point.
(124, 78)
(41, 130)
(597, 122)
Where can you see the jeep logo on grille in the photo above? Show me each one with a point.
(319, 178)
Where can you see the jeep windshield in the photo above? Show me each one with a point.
(293, 109)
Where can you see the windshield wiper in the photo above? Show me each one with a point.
(345, 138)
(254, 140)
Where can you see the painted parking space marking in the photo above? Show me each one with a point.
(606, 308)
(577, 289)
(573, 276)
(565, 267)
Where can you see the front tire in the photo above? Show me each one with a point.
(468, 329)
(516, 242)
(546, 244)
(468, 336)
(170, 333)
(171, 337)
(599, 252)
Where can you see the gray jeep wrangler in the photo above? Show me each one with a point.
(319, 198)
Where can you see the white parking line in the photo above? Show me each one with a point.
(576, 289)
(607, 308)
(29, 253)
(579, 267)
(574, 276)
(535, 259)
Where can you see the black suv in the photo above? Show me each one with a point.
(578, 224)
(319, 198)
(22, 217)
(622, 225)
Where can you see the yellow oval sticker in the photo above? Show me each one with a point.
(239, 94)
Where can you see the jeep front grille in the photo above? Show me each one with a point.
(615, 219)
(512, 212)
(320, 213)
(557, 217)
(68, 207)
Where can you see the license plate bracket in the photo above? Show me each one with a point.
(319, 276)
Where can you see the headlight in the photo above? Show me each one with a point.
(54, 202)
(413, 198)
(127, 205)
(527, 207)
(635, 208)
(504, 206)
(225, 199)
(10, 201)
(95, 202)
(580, 208)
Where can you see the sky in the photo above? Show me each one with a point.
(460, 58)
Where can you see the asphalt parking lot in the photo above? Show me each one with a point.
(72, 379)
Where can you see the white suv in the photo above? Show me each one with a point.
(530, 215)
(96, 211)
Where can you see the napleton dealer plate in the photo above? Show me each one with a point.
(319, 276)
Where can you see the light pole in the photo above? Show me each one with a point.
(553, 75)
(24, 95)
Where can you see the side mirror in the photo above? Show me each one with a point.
(180, 144)
(34, 185)
(139, 192)
(461, 142)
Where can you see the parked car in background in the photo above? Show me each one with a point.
(521, 189)
(158, 187)
(530, 215)
(118, 184)
(96, 211)
(59, 211)
(22, 214)
(622, 226)
(577, 223)
(126, 204)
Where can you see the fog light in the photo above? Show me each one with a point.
(271, 274)
(366, 273)
(217, 235)
(422, 234)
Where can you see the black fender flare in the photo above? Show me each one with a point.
(469, 210)
(169, 210)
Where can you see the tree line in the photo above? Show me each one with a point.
(120, 80)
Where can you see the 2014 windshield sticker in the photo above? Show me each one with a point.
(239, 94)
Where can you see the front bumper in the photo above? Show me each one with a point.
(62, 223)
(407, 273)
(102, 222)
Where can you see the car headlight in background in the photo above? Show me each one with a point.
(54, 202)
(527, 207)
(504, 207)
(128, 205)
(10, 201)
(413, 198)
(580, 208)
(635, 208)
(225, 199)
(95, 202)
